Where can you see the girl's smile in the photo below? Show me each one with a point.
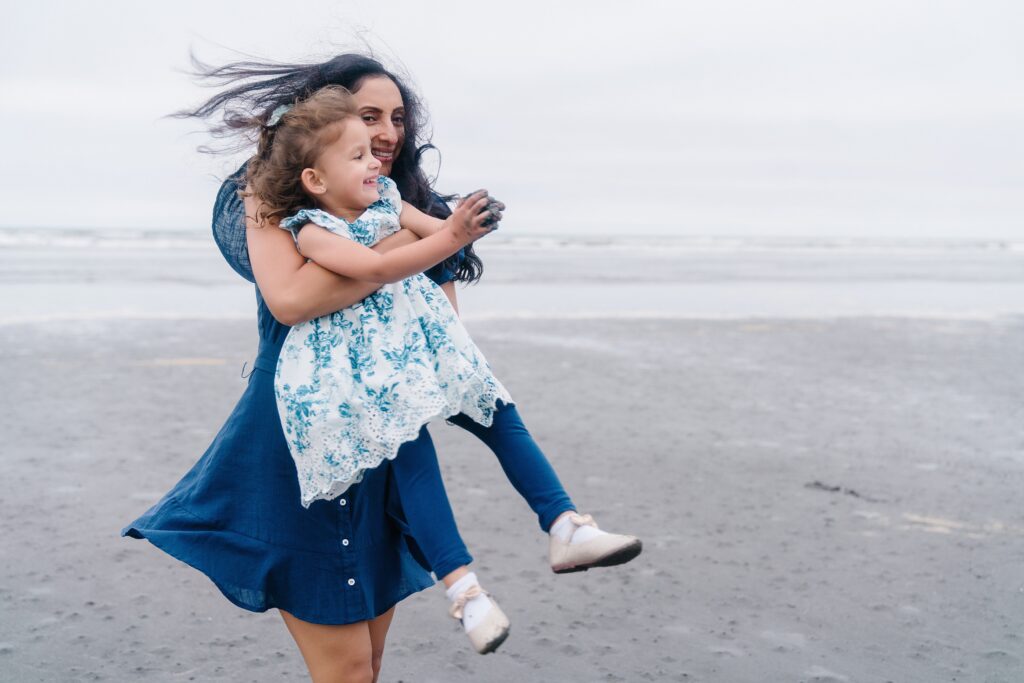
(343, 180)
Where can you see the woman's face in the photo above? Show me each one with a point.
(381, 108)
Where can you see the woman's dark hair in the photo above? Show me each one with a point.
(257, 88)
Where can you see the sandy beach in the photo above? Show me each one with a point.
(757, 289)
(820, 500)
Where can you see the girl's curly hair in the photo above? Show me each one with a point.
(294, 143)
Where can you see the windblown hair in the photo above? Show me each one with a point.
(256, 89)
(295, 143)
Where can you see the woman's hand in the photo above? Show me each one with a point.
(475, 216)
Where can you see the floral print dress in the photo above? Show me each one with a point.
(353, 386)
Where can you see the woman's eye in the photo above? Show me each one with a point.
(367, 118)
(398, 121)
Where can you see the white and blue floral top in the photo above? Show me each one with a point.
(355, 385)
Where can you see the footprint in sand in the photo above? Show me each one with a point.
(726, 651)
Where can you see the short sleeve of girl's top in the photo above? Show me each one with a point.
(318, 217)
(379, 220)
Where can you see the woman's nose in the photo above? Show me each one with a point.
(388, 133)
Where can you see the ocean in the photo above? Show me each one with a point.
(68, 274)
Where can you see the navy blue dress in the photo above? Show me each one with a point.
(236, 515)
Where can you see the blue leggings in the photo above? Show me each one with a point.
(426, 515)
(525, 465)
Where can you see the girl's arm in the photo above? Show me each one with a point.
(345, 257)
(425, 225)
(420, 223)
(296, 290)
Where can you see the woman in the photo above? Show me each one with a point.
(340, 632)
(335, 571)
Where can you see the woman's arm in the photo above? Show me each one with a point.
(296, 290)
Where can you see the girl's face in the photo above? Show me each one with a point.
(381, 108)
(344, 178)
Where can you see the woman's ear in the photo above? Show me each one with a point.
(312, 182)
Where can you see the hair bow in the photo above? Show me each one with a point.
(275, 116)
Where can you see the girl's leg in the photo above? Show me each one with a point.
(378, 634)
(576, 543)
(425, 515)
(333, 654)
(524, 463)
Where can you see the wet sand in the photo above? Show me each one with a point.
(820, 500)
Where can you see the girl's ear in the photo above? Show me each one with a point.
(312, 182)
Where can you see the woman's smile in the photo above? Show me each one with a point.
(383, 111)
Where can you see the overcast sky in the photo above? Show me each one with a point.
(694, 118)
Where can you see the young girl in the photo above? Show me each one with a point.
(356, 387)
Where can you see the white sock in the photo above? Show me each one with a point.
(565, 530)
(476, 609)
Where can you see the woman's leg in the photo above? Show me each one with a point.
(524, 463)
(378, 634)
(334, 654)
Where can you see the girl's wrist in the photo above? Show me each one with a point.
(457, 238)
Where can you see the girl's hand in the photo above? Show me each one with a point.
(475, 216)
(494, 207)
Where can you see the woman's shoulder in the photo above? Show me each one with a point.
(229, 224)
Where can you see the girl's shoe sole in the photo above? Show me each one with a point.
(621, 556)
(495, 644)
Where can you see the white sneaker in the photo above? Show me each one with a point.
(602, 549)
(490, 625)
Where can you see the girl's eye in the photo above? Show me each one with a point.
(359, 156)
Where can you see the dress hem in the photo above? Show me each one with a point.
(331, 493)
(182, 553)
